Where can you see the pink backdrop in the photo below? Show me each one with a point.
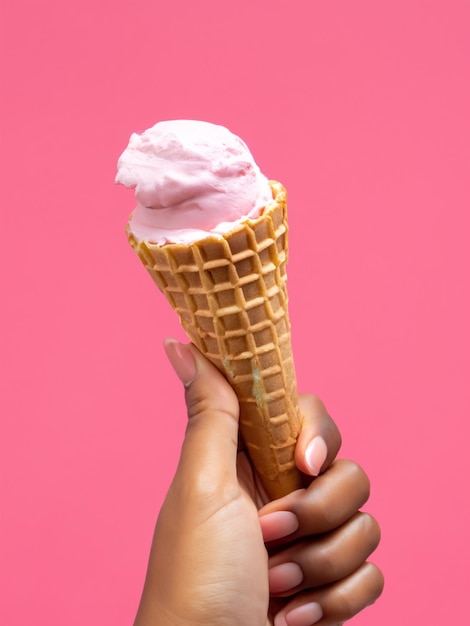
(362, 110)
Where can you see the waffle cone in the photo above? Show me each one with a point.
(230, 294)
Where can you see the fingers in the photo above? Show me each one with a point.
(329, 501)
(326, 559)
(332, 499)
(336, 603)
(321, 543)
(319, 440)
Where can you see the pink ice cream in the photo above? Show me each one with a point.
(191, 179)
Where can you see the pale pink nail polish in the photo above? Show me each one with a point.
(315, 455)
(284, 577)
(182, 360)
(278, 525)
(280, 620)
(304, 615)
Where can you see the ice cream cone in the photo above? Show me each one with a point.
(230, 294)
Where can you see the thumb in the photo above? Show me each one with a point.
(209, 450)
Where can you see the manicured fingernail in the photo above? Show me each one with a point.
(277, 525)
(304, 615)
(181, 359)
(315, 455)
(284, 577)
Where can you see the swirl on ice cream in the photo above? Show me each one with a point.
(191, 179)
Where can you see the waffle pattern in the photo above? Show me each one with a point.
(230, 294)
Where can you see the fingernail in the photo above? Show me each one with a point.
(284, 577)
(304, 615)
(277, 525)
(181, 359)
(315, 455)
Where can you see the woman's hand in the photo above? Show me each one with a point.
(223, 555)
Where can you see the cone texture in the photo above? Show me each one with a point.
(230, 294)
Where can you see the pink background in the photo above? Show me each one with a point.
(362, 110)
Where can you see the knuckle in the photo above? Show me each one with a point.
(358, 478)
(377, 582)
(367, 530)
(328, 565)
(326, 517)
(345, 604)
(372, 529)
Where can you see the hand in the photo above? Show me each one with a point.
(218, 560)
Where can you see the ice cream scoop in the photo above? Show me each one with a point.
(190, 178)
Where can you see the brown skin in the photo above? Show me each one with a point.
(209, 563)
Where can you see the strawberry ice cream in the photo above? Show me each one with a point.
(191, 179)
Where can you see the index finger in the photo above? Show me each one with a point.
(319, 439)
